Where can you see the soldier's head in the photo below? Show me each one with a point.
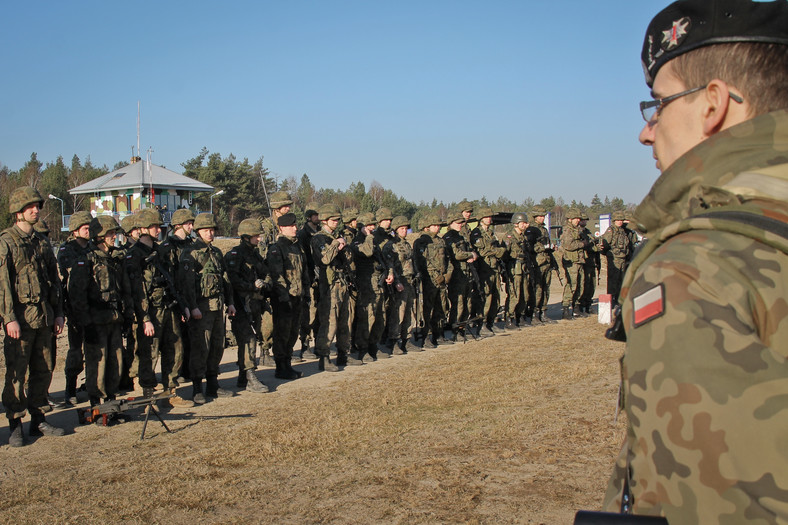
(205, 226)
(329, 215)
(573, 216)
(130, 228)
(182, 222)
(384, 216)
(350, 217)
(103, 231)
(400, 225)
(485, 215)
(149, 222)
(466, 208)
(281, 202)
(366, 222)
(456, 220)
(287, 225)
(311, 214)
(520, 220)
(433, 223)
(25, 205)
(250, 230)
(538, 213)
(584, 218)
(711, 65)
(79, 226)
(618, 218)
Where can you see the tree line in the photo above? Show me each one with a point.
(245, 184)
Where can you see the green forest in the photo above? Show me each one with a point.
(244, 195)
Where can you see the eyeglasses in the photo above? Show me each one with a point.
(652, 108)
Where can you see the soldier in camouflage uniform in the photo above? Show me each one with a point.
(31, 308)
(466, 208)
(432, 262)
(462, 282)
(332, 256)
(158, 308)
(69, 253)
(573, 248)
(591, 267)
(309, 317)
(287, 265)
(704, 301)
(250, 279)
(373, 275)
(616, 245)
(130, 235)
(545, 263)
(100, 301)
(490, 251)
(280, 204)
(400, 314)
(521, 268)
(207, 291)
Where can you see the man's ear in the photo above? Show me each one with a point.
(717, 106)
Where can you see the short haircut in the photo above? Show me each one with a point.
(759, 71)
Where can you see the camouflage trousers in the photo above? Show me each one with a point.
(573, 288)
(165, 345)
(207, 340)
(287, 321)
(28, 358)
(310, 319)
(247, 323)
(400, 313)
(542, 287)
(75, 355)
(488, 302)
(589, 284)
(434, 312)
(459, 298)
(103, 359)
(336, 313)
(369, 318)
(519, 297)
(615, 276)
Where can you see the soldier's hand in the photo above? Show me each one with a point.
(231, 310)
(148, 329)
(185, 315)
(59, 324)
(196, 313)
(341, 242)
(259, 283)
(389, 279)
(13, 330)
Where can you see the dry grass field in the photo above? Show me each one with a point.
(518, 428)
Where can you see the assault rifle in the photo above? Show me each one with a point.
(165, 279)
(419, 332)
(115, 409)
(586, 517)
(554, 265)
(460, 326)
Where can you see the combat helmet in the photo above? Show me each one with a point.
(250, 227)
(23, 196)
(573, 213)
(537, 211)
(181, 216)
(329, 211)
(384, 214)
(79, 219)
(204, 220)
(399, 221)
(465, 206)
(312, 208)
(102, 225)
(485, 212)
(349, 215)
(618, 216)
(519, 216)
(366, 218)
(128, 223)
(147, 218)
(455, 216)
(279, 199)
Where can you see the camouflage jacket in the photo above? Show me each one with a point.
(705, 374)
(171, 250)
(149, 289)
(287, 264)
(244, 266)
(26, 295)
(98, 288)
(202, 278)
(541, 243)
(332, 264)
(573, 244)
(459, 251)
(400, 253)
(432, 260)
(616, 244)
(520, 253)
(489, 249)
(371, 265)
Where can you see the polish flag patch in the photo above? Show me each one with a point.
(649, 305)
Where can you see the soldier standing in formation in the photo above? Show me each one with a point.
(309, 318)
(616, 245)
(544, 264)
(519, 289)
(591, 267)
(490, 251)
(433, 265)
(462, 282)
(250, 279)
(207, 290)
(31, 308)
(573, 247)
(400, 315)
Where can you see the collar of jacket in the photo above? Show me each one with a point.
(740, 163)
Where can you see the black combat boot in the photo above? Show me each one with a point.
(197, 394)
(17, 437)
(253, 384)
(399, 348)
(284, 370)
(343, 359)
(212, 388)
(326, 365)
(39, 427)
(510, 325)
(71, 391)
(567, 314)
(242, 380)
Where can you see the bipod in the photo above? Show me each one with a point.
(151, 407)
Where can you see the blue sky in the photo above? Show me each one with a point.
(433, 99)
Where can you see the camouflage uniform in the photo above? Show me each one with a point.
(616, 245)
(100, 301)
(309, 318)
(461, 284)
(490, 252)
(704, 307)
(590, 266)
(520, 289)
(544, 263)
(400, 315)
(433, 264)
(573, 247)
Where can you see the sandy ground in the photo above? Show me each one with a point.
(517, 428)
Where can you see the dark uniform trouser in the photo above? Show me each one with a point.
(459, 298)
(242, 323)
(29, 357)
(573, 288)
(369, 318)
(542, 288)
(615, 276)
(400, 315)
(103, 359)
(519, 293)
(335, 318)
(309, 317)
(491, 296)
(589, 283)
(207, 339)
(165, 345)
(75, 356)
(287, 322)
(433, 309)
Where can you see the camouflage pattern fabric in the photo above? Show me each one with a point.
(705, 373)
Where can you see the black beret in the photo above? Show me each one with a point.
(288, 219)
(689, 24)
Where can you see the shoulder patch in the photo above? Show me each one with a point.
(649, 305)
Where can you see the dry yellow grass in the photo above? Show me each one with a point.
(517, 428)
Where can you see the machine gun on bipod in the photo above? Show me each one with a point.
(116, 409)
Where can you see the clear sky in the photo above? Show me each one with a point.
(433, 99)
